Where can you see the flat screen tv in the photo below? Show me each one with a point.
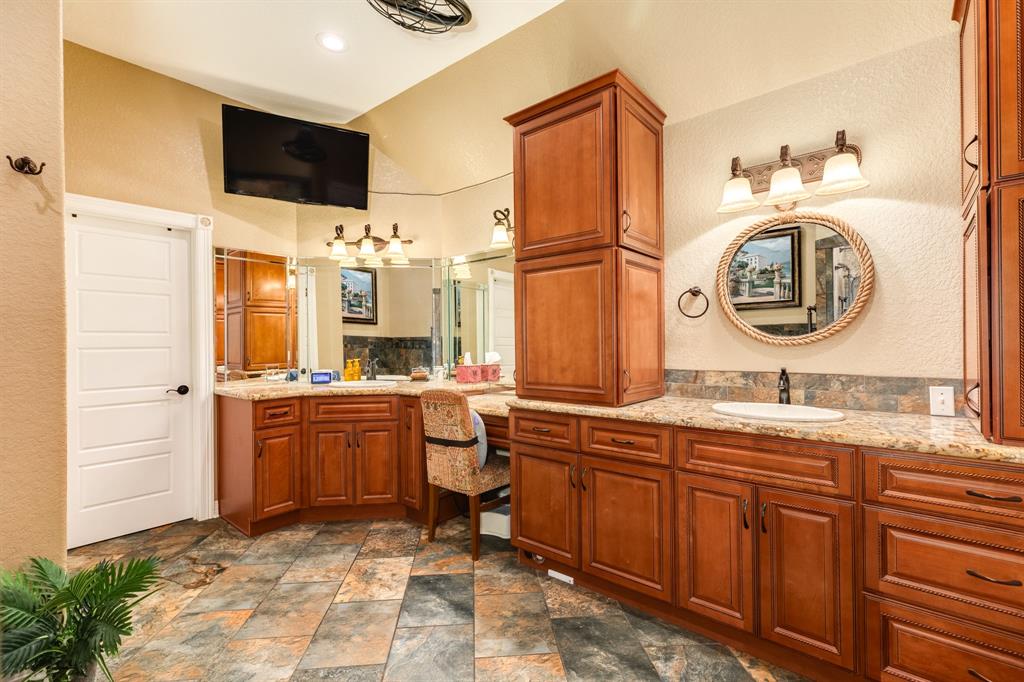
(292, 160)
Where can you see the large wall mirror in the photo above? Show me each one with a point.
(795, 278)
(479, 308)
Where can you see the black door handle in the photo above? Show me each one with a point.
(745, 524)
(764, 510)
(1008, 583)
(994, 498)
(180, 390)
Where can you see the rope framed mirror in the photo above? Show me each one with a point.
(795, 278)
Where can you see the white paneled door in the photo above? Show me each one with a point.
(503, 319)
(129, 423)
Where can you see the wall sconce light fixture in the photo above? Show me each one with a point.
(837, 168)
(368, 247)
(502, 233)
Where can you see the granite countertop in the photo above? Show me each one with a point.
(258, 389)
(954, 436)
(492, 404)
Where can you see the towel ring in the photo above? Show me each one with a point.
(695, 292)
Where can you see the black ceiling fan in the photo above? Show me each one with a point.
(424, 16)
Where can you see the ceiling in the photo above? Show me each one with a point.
(692, 57)
(264, 52)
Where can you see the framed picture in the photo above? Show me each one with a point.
(359, 295)
(765, 272)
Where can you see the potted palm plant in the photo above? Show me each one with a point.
(62, 628)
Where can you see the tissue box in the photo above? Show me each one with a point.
(491, 372)
(468, 374)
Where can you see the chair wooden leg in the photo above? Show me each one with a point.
(432, 496)
(474, 524)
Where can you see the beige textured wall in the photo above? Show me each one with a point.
(902, 110)
(134, 135)
(33, 460)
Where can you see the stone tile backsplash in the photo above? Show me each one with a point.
(397, 354)
(850, 391)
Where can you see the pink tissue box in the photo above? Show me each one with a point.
(491, 372)
(468, 374)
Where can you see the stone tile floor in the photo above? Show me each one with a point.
(372, 600)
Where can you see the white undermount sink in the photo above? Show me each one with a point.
(363, 384)
(778, 412)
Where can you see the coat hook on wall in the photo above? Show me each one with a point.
(694, 292)
(25, 165)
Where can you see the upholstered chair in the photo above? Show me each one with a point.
(452, 461)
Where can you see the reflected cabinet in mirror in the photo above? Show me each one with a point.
(795, 278)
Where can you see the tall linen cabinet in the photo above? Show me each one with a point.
(992, 195)
(589, 243)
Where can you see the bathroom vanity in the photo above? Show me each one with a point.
(887, 546)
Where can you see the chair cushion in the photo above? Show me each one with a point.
(495, 474)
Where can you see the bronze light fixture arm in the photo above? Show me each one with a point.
(811, 164)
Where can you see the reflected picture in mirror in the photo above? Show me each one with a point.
(359, 295)
(795, 278)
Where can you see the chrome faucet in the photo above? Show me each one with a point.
(371, 369)
(783, 387)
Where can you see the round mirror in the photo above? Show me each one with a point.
(795, 278)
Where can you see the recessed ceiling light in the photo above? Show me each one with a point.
(330, 41)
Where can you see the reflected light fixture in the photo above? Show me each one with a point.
(373, 262)
(502, 232)
(787, 187)
(460, 268)
(842, 171)
(737, 195)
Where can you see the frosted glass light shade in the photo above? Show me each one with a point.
(736, 196)
(373, 262)
(786, 187)
(841, 174)
(398, 261)
(338, 249)
(395, 246)
(366, 247)
(499, 237)
(347, 261)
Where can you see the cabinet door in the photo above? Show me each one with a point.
(234, 279)
(565, 326)
(266, 284)
(977, 404)
(564, 171)
(1007, 229)
(1006, 115)
(806, 574)
(640, 223)
(973, 129)
(641, 327)
(234, 338)
(331, 465)
(413, 458)
(627, 521)
(545, 503)
(265, 337)
(715, 522)
(376, 463)
(278, 471)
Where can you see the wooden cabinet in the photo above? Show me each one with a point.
(278, 456)
(218, 311)
(412, 456)
(992, 190)
(376, 458)
(715, 527)
(266, 337)
(608, 298)
(806, 574)
(545, 502)
(626, 523)
(589, 241)
(588, 170)
(331, 465)
(266, 283)
(259, 326)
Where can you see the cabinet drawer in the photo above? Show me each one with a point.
(544, 428)
(965, 490)
(277, 412)
(627, 440)
(784, 463)
(356, 408)
(911, 644)
(497, 432)
(955, 568)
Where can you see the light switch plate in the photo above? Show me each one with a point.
(941, 400)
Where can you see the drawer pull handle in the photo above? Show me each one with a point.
(259, 449)
(583, 479)
(973, 405)
(764, 510)
(572, 475)
(278, 413)
(541, 429)
(975, 674)
(972, 165)
(623, 441)
(1008, 583)
(627, 220)
(745, 524)
(995, 498)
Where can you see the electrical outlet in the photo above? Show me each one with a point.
(561, 576)
(941, 399)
